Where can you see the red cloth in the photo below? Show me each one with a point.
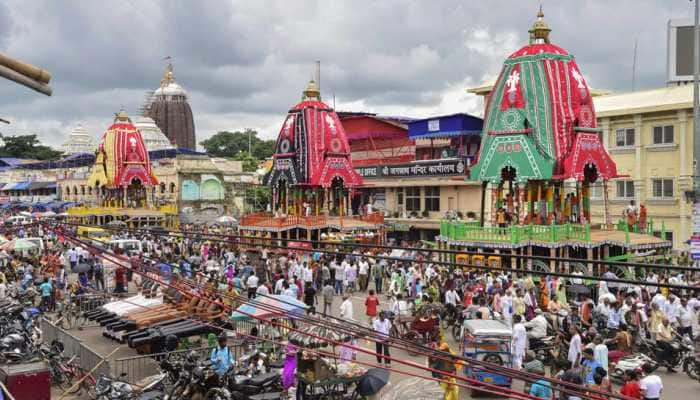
(371, 303)
(120, 275)
(631, 389)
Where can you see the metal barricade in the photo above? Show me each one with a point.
(134, 369)
(72, 346)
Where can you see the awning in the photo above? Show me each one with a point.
(445, 126)
(16, 186)
(41, 185)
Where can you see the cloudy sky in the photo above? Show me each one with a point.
(245, 63)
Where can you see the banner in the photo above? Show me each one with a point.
(417, 169)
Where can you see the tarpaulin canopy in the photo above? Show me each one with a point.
(445, 126)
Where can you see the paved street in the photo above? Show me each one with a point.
(677, 386)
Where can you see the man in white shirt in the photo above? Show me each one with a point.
(262, 290)
(651, 385)
(518, 342)
(685, 319)
(346, 310)
(363, 274)
(252, 285)
(537, 326)
(452, 298)
(574, 355)
(382, 326)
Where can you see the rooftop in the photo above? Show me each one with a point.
(644, 101)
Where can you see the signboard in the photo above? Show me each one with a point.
(414, 170)
(696, 218)
(398, 227)
(695, 248)
(434, 125)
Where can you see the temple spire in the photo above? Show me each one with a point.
(312, 92)
(539, 30)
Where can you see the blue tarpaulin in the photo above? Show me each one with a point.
(445, 126)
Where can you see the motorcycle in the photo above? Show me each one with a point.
(202, 379)
(671, 356)
(691, 365)
(238, 386)
(632, 362)
(150, 388)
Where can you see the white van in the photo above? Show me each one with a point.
(18, 220)
(130, 246)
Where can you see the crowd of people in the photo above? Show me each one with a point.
(592, 331)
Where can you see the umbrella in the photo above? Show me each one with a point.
(266, 306)
(49, 214)
(414, 389)
(227, 220)
(116, 223)
(373, 381)
(18, 245)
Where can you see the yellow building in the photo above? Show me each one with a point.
(649, 134)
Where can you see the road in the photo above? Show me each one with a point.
(677, 386)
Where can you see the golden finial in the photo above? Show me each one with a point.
(539, 29)
(168, 76)
(121, 116)
(312, 92)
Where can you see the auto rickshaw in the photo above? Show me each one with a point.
(489, 341)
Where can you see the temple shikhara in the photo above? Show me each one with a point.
(540, 153)
(312, 179)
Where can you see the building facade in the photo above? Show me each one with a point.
(650, 136)
(415, 171)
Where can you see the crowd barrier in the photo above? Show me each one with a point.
(86, 358)
(134, 369)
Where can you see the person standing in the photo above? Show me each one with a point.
(339, 276)
(371, 304)
(363, 273)
(574, 355)
(346, 309)
(518, 342)
(310, 298)
(382, 326)
(252, 284)
(631, 386)
(327, 293)
(221, 357)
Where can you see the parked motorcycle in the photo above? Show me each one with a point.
(691, 365)
(150, 388)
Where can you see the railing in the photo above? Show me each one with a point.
(623, 226)
(270, 221)
(134, 369)
(472, 231)
(72, 346)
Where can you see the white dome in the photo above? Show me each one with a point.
(152, 136)
(170, 89)
(79, 141)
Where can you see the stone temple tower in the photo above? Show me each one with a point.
(170, 110)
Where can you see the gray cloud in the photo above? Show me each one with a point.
(245, 63)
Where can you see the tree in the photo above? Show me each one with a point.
(231, 144)
(250, 164)
(256, 198)
(27, 146)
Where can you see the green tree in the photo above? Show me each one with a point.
(257, 198)
(249, 163)
(231, 144)
(27, 146)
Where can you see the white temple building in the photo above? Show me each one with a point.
(153, 137)
(79, 141)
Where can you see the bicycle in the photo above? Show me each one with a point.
(69, 315)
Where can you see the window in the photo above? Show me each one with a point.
(662, 188)
(624, 137)
(624, 189)
(412, 198)
(669, 235)
(162, 187)
(663, 134)
(432, 198)
(172, 187)
(596, 190)
(399, 197)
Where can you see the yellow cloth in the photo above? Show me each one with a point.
(450, 388)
